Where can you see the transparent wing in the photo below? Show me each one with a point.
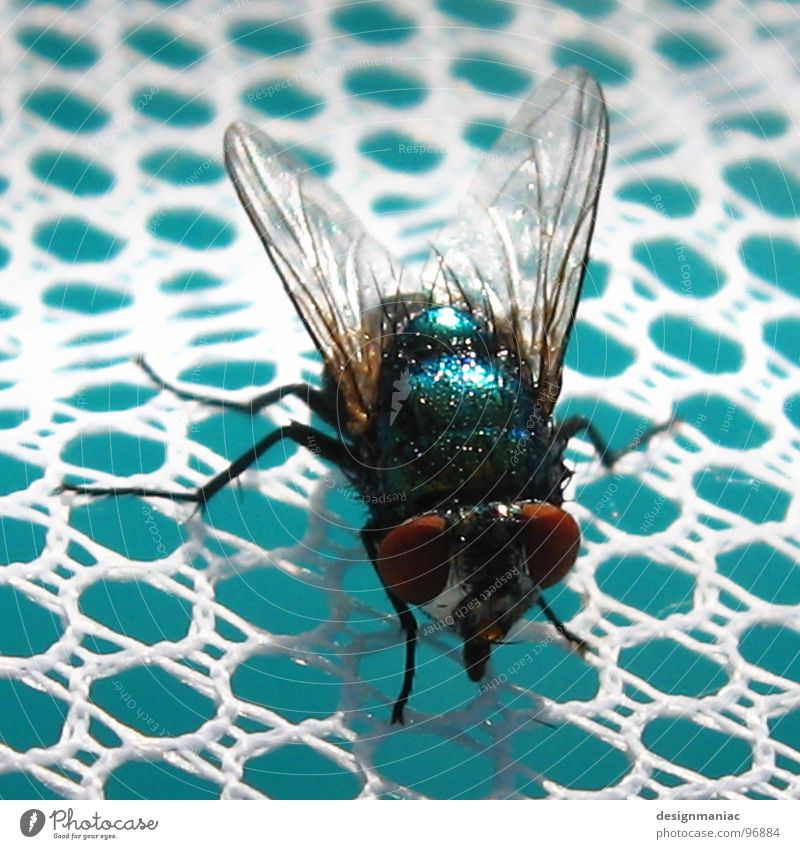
(517, 245)
(335, 274)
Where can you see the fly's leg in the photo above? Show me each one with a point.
(580, 644)
(317, 401)
(580, 424)
(409, 626)
(329, 448)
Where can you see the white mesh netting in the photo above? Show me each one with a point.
(250, 652)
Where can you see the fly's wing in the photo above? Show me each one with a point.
(517, 246)
(335, 274)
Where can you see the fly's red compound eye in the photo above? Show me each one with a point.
(413, 559)
(552, 539)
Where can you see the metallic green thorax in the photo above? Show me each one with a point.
(457, 420)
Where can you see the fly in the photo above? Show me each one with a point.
(441, 386)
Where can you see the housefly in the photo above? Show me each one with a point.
(440, 386)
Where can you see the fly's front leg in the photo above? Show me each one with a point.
(329, 448)
(580, 644)
(317, 401)
(408, 623)
(580, 424)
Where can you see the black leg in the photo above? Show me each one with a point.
(578, 424)
(317, 401)
(580, 644)
(409, 625)
(328, 447)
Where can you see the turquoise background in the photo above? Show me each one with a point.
(503, 749)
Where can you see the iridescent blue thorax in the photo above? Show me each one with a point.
(457, 420)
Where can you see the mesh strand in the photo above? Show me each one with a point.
(686, 171)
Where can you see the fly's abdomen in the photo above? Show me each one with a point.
(456, 416)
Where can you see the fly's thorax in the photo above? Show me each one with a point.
(434, 335)
(455, 414)
(441, 329)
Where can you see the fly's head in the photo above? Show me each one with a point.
(479, 568)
